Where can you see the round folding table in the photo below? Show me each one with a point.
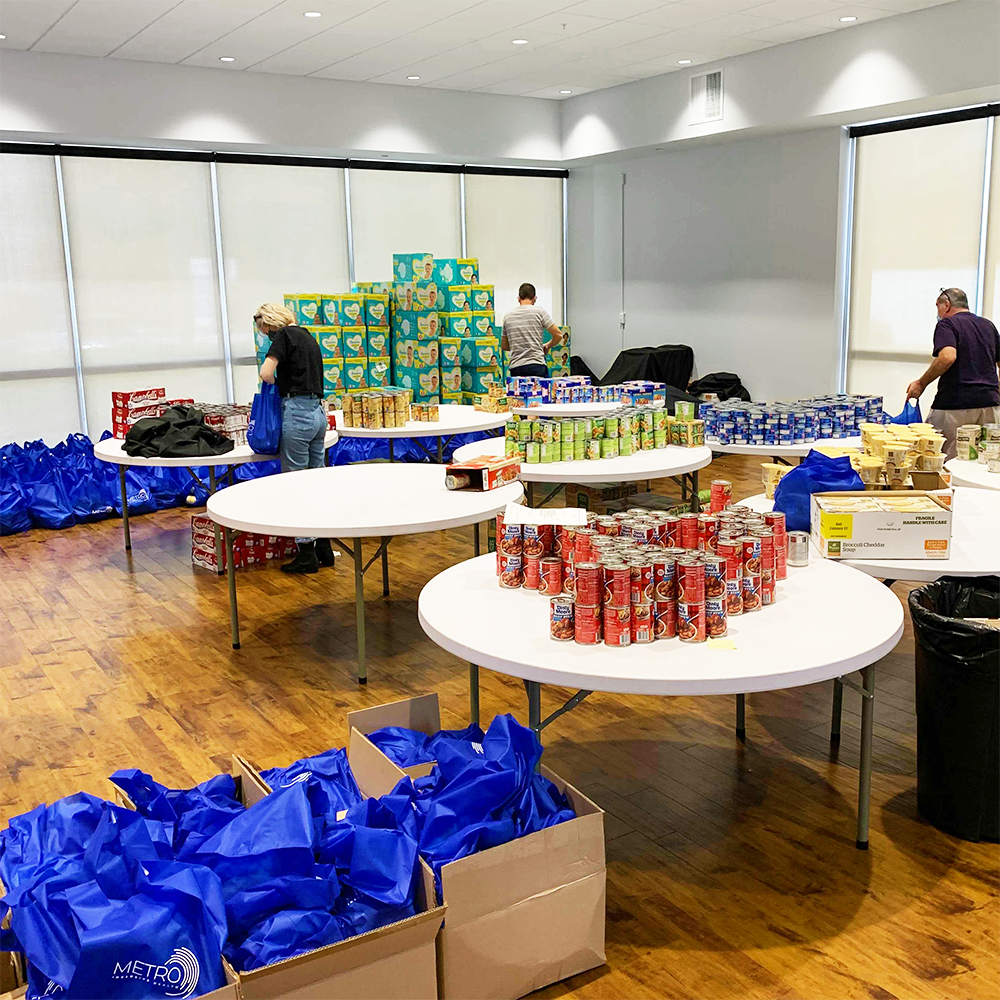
(972, 474)
(567, 410)
(794, 642)
(111, 450)
(454, 418)
(356, 502)
(778, 453)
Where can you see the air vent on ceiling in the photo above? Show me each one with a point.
(706, 98)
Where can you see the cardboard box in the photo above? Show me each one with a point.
(137, 398)
(595, 496)
(482, 298)
(456, 271)
(416, 325)
(451, 381)
(480, 352)
(457, 299)
(456, 324)
(329, 310)
(479, 380)
(416, 353)
(329, 340)
(378, 373)
(378, 343)
(452, 397)
(333, 375)
(486, 474)
(417, 296)
(412, 266)
(355, 374)
(521, 915)
(483, 325)
(451, 351)
(354, 340)
(376, 311)
(306, 307)
(424, 380)
(897, 524)
(492, 404)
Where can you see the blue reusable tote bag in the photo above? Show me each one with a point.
(816, 474)
(910, 414)
(264, 435)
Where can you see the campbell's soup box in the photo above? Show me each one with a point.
(354, 341)
(378, 343)
(458, 299)
(376, 311)
(415, 325)
(456, 324)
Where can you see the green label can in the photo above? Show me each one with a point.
(611, 427)
(609, 448)
(531, 455)
(579, 449)
(567, 451)
(593, 449)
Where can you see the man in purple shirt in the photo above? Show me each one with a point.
(966, 356)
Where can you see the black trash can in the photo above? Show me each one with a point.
(958, 705)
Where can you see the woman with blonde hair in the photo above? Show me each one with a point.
(295, 364)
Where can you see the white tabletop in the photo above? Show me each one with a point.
(793, 642)
(653, 464)
(567, 410)
(972, 474)
(355, 501)
(454, 418)
(783, 450)
(975, 542)
(110, 450)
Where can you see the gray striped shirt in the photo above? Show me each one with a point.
(524, 328)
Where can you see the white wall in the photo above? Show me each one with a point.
(45, 98)
(731, 249)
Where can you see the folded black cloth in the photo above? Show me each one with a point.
(180, 433)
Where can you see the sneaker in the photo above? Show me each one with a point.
(305, 561)
(324, 552)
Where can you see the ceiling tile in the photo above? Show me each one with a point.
(792, 10)
(831, 19)
(24, 22)
(727, 47)
(614, 9)
(471, 79)
(496, 15)
(501, 43)
(563, 25)
(98, 27)
(676, 15)
(324, 49)
(437, 67)
(789, 32)
(902, 6)
(609, 37)
(739, 24)
(725, 6)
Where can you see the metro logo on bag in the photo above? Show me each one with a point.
(181, 971)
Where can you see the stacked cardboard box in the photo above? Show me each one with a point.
(129, 407)
(248, 548)
(480, 357)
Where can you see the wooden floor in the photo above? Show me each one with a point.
(732, 870)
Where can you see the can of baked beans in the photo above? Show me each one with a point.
(661, 531)
(643, 531)
(665, 619)
(768, 592)
(751, 555)
(583, 551)
(561, 618)
(708, 532)
(499, 535)
(609, 526)
(691, 621)
(587, 625)
(618, 626)
(767, 556)
(532, 571)
(642, 622)
(716, 574)
(567, 542)
(672, 531)
(716, 615)
(511, 571)
(689, 531)
(641, 570)
(510, 542)
(550, 575)
(592, 519)
(721, 495)
(617, 585)
(664, 577)
(731, 549)
(751, 592)
(537, 539)
(775, 520)
(589, 584)
(569, 578)
(690, 580)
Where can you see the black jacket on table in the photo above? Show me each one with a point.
(180, 433)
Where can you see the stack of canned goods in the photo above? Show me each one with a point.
(625, 432)
(642, 575)
(801, 422)
(376, 410)
(578, 389)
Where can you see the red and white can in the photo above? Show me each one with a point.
(564, 542)
(511, 571)
(642, 622)
(664, 619)
(721, 495)
(716, 616)
(609, 526)
(767, 555)
(641, 570)
(589, 584)
(562, 626)
(664, 577)
(643, 531)
(716, 574)
(583, 551)
(550, 576)
(708, 532)
(569, 578)
(532, 572)
(689, 531)
(751, 592)
(751, 555)
(690, 580)
(768, 593)
(671, 531)
(691, 621)
(775, 520)
(618, 626)
(617, 585)
(537, 539)
(510, 543)
(499, 535)
(587, 625)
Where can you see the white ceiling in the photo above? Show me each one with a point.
(575, 45)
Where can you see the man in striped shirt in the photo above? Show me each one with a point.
(523, 335)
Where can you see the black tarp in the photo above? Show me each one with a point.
(670, 363)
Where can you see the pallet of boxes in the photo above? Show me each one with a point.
(128, 408)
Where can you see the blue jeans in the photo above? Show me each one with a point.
(303, 432)
(529, 371)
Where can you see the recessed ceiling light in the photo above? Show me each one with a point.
(312, 13)
(519, 41)
(2, 37)
(565, 91)
(413, 78)
(683, 62)
(850, 17)
(227, 58)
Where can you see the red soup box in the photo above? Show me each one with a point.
(486, 473)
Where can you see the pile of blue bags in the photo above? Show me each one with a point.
(110, 902)
(42, 487)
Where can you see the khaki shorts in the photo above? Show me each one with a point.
(949, 421)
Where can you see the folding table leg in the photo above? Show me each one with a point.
(475, 538)
(695, 502)
(234, 615)
(440, 450)
(122, 469)
(865, 771)
(385, 564)
(359, 607)
(838, 701)
(741, 719)
(534, 690)
(392, 457)
(213, 485)
(473, 694)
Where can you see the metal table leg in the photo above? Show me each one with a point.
(359, 606)
(234, 615)
(213, 485)
(392, 456)
(473, 694)
(695, 503)
(838, 702)
(534, 690)
(122, 469)
(440, 450)
(531, 494)
(475, 538)
(385, 566)
(865, 771)
(741, 717)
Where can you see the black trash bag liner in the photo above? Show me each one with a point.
(725, 385)
(958, 705)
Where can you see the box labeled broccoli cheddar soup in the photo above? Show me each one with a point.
(906, 524)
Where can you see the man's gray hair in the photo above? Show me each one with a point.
(957, 298)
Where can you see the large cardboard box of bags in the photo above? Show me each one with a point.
(395, 962)
(521, 915)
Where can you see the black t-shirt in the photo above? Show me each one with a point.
(300, 361)
(971, 382)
